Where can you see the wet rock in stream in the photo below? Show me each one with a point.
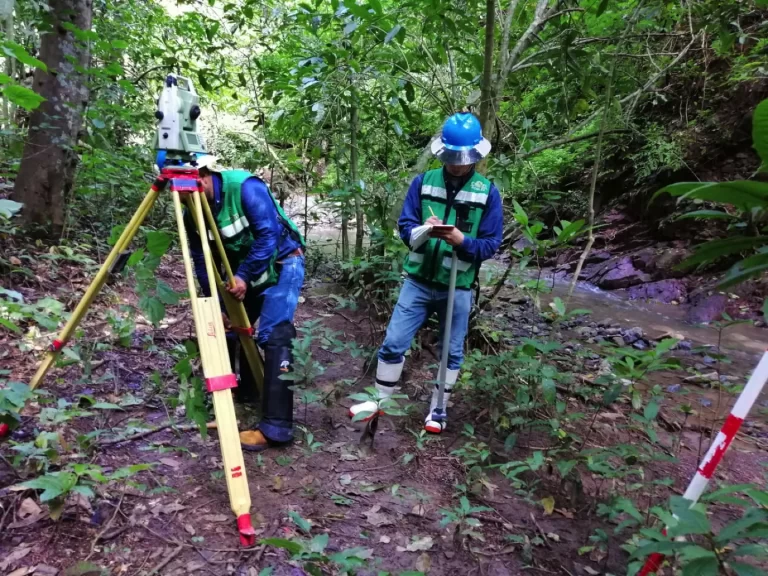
(666, 291)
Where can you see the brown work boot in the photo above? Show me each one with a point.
(253, 441)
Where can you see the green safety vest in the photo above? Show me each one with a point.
(431, 262)
(234, 227)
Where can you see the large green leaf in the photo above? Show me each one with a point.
(23, 97)
(9, 208)
(710, 251)
(302, 523)
(53, 485)
(153, 308)
(157, 242)
(17, 51)
(744, 194)
(707, 214)
(744, 270)
(760, 131)
(702, 567)
(690, 521)
(742, 569)
(291, 546)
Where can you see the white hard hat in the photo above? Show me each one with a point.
(207, 161)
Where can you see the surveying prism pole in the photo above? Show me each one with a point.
(717, 450)
(438, 414)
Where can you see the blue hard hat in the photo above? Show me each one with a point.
(462, 141)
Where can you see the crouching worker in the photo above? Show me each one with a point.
(471, 209)
(266, 253)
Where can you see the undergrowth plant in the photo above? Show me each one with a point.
(695, 546)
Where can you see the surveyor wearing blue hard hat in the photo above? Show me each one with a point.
(453, 208)
(461, 142)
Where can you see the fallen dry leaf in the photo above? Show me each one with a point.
(171, 463)
(424, 563)
(168, 508)
(28, 521)
(345, 479)
(81, 502)
(215, 518)
(28, 507)
(21, 571)
(567, 513)
(277, 483)
(554, 537)
(45, 570)
(19, 553)
(385, 539)
(418, 545)
(190, 529)
(376, 518)
(591, 571)
(419, 510)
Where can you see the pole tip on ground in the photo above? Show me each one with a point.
(4, 430)
(247, 533)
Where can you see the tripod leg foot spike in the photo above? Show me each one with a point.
(247, 533)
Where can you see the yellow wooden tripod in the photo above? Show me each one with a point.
(184, 184)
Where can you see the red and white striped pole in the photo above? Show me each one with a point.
(715, 453)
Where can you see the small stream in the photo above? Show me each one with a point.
(656, 319)
(744, 342)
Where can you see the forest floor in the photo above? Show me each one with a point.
(385, 499)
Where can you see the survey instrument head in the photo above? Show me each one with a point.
(178, 108)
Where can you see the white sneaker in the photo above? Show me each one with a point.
(431, 424)
(387, 376)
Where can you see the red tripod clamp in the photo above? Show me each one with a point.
(182, 179)
(249, 331)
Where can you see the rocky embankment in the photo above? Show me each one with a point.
(582, 332)
(626, 257)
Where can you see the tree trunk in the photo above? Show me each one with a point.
(354, 176)
(486, 91)
(9, 109)
(47, 171)
(344, 216)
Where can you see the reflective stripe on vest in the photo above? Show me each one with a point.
(461, 265)
(434, 192)
(261, 279)
(471, 197)
(234, 228)
(416, 257)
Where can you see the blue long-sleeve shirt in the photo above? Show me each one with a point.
(489, 233)
(264, 223)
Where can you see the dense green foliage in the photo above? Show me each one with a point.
(337, 102)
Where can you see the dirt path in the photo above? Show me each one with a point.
(381, 504)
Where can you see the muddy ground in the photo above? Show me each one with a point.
(385, 500)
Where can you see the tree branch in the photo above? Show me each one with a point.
(563, 141)
(556, 14)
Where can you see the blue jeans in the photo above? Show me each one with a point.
(277, 303)
(415, 305)
(274, 307)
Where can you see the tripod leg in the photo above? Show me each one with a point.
(235, 309)
(219, 379)
(96, 285)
